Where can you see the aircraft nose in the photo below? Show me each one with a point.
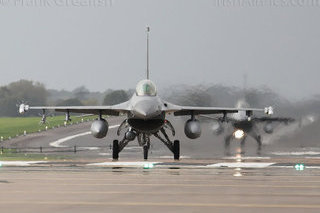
(146, 109)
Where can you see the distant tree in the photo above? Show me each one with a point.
(32, 92)
(4, 92)
(81, 93)
(70, 102)
(190, 96)
(90, 102)
(115, 97)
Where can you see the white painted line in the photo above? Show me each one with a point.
(170, 157)
(89, 148)
(19, 163)
(139, 163)
(293, 167)
(247, 158)
(132, 147)
(58, 143)
(104, 154)
(240, 165)
(296, 153)
(312, 157)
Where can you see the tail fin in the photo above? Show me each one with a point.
(148, 72)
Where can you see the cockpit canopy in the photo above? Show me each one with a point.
(146, 88)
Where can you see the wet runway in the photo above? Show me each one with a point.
(166, 186)
(204, 180)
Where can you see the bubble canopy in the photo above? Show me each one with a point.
(146, 88)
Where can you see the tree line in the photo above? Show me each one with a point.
(36, 94)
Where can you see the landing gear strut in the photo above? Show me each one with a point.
(144, 141)
(115, 150)
(174, 147)
(145, 152)
(118, 147)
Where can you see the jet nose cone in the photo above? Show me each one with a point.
(146, 109)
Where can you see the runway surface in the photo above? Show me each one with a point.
(204, 180)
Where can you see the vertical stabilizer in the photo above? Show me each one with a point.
(148, 72)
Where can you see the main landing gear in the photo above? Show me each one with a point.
(144, 141)
(242, 144)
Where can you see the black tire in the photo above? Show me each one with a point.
(115, 150)
(145, 152)
(176, 150)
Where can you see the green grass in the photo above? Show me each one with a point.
(15, 126)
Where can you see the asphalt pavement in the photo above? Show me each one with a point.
(281, 179)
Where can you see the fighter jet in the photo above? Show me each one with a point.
(240, 126)
(145, 117)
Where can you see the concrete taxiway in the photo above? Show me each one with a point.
(204, 180)
(184, 186)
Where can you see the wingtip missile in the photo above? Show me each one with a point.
(23, 108)
(268, 110)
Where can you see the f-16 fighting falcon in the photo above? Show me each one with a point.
(146, 116)
(242, 125)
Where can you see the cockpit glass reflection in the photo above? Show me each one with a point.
(146, 88)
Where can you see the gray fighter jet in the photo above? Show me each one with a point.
(146, 116)
(240, 126)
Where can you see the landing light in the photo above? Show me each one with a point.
(299, 166)
(238, 134)
(148, 166)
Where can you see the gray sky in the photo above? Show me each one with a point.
(65, 45)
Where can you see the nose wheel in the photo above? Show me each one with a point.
(145, 152)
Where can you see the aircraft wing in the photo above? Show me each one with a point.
(103, 110)
(275, 119)
(189, 110)
(220, 119)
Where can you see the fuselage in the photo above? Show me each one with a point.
(240, 119)
(146, 109)
(244, 125)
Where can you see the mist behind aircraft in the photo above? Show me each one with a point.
(193, 42)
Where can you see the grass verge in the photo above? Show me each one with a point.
(15, 126)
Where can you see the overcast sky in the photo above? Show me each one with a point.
(102, 45)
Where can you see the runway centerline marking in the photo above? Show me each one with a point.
(240, 165)
(20, 163)
(164, 193)
(93, 203)
(58, 143)
(183, 185)
(154, 179)
(138, 163)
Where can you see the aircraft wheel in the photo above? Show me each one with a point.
(176, 149)
(115, 150)
(145, 152)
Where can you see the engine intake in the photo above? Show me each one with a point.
(192, 129)
(99, 128)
